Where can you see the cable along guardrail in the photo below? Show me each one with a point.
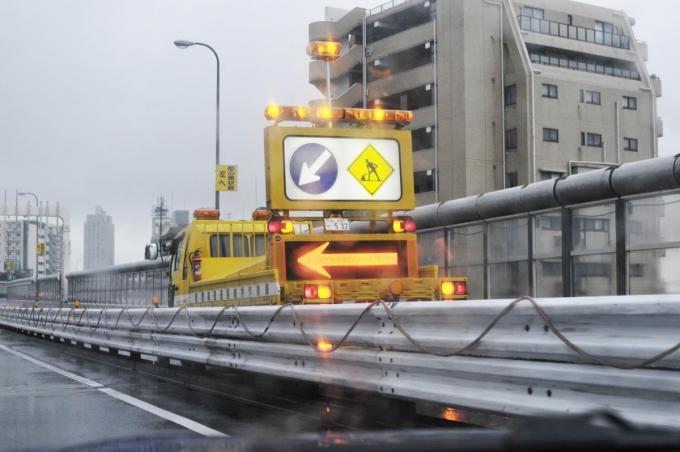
(521, 357)
(489, 328)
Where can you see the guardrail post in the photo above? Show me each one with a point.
(567, 245)
(485, 260)
(621, 267)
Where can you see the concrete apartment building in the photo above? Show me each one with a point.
(17, 248)
(99, 240)
(504, 92)
(18, 240)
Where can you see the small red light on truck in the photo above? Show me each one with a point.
(318, 292)
(456, 288)
(403, 224)
(460, 288)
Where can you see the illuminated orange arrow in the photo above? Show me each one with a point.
(316, 261)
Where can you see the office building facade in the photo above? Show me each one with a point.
(503, 92)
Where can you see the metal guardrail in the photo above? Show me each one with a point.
(520, 357)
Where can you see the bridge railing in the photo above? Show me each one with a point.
(128, 284)
(612, 231)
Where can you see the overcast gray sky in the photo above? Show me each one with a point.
(97, 106)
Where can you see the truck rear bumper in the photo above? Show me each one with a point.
(366, 290)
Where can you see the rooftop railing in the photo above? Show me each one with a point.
(385, 6)
(552, 28)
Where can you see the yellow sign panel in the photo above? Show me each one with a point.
(9, 266)
(314, 168)
(226, 178)
(370, 169)
(40, 249)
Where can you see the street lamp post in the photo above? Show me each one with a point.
(37, 235)
(183, 45)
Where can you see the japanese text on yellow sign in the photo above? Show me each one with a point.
(226, 178)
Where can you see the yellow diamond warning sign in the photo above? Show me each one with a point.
(370, 169)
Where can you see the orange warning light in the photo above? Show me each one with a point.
(324, 50)
(324, 346)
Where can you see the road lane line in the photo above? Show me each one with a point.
(137, 403)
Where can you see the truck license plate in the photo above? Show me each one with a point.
(336, 224)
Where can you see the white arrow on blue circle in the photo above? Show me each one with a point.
(308, 172)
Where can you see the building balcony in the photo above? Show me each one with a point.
(351, 97)
(403, 40)
(323, 30)
(549, 27)
(402, 81)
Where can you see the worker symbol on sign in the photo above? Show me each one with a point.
(313, 168)
(371, 171)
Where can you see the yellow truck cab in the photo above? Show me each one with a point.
(277, 260)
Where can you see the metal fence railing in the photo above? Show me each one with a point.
(128, 284)
(50, 288)
(608, 232)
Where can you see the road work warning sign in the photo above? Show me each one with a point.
(328, 169)
(370, 169)
(356, 169)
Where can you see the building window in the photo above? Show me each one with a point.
(591, 139)
(551, 135)
(510, 139)
(630, 144)
(550, 91)
(629, 103)
(580, 62)
(590, 97)
(547, 175)
(423, 181)
(605, 27)
(537, 13)
(510, 95)
(511, 179)
(423, 138)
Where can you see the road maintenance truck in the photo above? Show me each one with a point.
(331, 231)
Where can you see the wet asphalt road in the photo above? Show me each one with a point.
(42, 408)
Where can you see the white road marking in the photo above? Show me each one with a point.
(142, 405)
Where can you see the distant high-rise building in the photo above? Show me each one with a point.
(180, 218)
(99, 240)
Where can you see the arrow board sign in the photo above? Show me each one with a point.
(342, 169)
